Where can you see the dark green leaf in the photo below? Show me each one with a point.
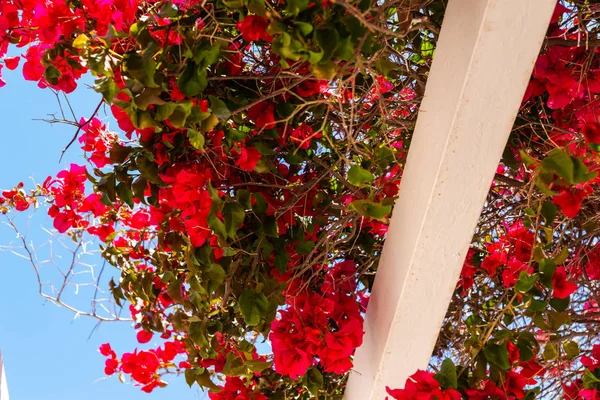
(219, 107)
(447, 375)
(216, 276)
(216, 225)
(526, 282)
(497, 355)
(197, 333)
(561, 163)
(234, 215)
(590, 381)
(192, 81)
(314, 381)
(119, 153)
(548, 212)
(304, 248)
(254, 306)
(125, 194)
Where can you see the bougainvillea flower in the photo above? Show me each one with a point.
(562, 287)
(253, 28)
(569, 199)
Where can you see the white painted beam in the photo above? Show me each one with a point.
(484, 58)
(3, 386)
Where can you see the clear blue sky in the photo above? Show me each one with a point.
(49, 355)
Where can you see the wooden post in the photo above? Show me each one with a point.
(481, 67)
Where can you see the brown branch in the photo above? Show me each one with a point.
(572, 42)
(62, 153)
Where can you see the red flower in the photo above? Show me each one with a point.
(511, 273)
(110, 366)
(591, 131)
(569, 200)
(254, 28)
(263, 115)
(12, 62)
(248, 158)
(144, 336)
(106, 350)
(303, 136)
(422, 385)
(493, 261)
(562, 287)
(592, 362)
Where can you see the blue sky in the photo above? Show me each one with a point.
(47, 353)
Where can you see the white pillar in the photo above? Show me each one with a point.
(3, 386)
(481, 67)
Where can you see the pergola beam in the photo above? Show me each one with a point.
(483, 61)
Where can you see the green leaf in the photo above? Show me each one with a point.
(447, 375)
(560, 305)
(562, 256)
(219, 107)
(571, 348)
(427, 48)
(550, 352)
(527, 159)
(217, 225)
(196, 139)
(141, 68)
(260, 204)
(125, 194)
(328, 40)
(358, 176)
(581, 173)
(497, 355)
(537, 305)
(216, 277)
(190, 377)
(209, 123)
(234, 215)
(148, 170)
(385, 66)
(304, 27)
(304, 248)
(197, 333)
(119, 153)
(192, 80)
(590, 381)
(258, 366)
(294, 7)
(254, 306)
(281, 261)
(314, 381)
(204, 380)
(164, 111)
(81, 41)
(547, 268)
(181, 113)
(561, 163)
(526, 282)
(370, 209)
(148, 96)
(108, 87)
(548, 212)
(525, 350)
